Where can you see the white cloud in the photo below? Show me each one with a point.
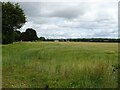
(72, 19)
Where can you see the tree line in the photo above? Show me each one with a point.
(85, 40)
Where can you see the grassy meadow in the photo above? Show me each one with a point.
(59, 65)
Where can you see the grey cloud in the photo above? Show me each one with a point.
(62, 10)
(106, 35)
(32, 9)
(66, 13)
(102, 24)
(48, 20)
(69, 13)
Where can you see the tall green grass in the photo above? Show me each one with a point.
(60, 65)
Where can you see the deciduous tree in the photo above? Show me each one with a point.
(13, 18)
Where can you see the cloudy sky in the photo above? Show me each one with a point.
(72, 19)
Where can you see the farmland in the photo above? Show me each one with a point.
(59, 65)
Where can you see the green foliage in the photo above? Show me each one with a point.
(29, 35)
(60, 65)
(13, 18)
(17, 35)
(42, 38)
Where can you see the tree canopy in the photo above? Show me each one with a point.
(42, 38)
(29, 35)
(17, 35)
(13, 18)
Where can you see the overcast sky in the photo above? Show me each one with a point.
(72, 19)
